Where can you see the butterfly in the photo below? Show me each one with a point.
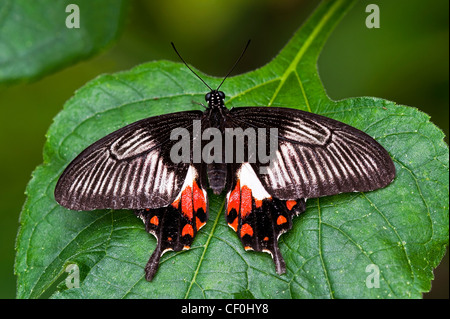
(134, 168)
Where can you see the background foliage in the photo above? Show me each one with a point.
(35, 41)
(344, 67)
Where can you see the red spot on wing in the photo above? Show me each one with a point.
(246, 229)
(266, 238)
(281, 220)
(246, 201)
(258, 203)
(234, 224)
(290, 204)
(186, 202)
(199, 198)
(176, 203)
(198, 223)
(154, 220)
(234, 199)
(188, 230)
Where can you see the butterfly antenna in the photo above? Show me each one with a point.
(173, 45)
(237, 61)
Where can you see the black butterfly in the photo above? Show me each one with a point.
(132, 168)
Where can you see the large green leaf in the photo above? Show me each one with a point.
(34, 38)
(401, 230)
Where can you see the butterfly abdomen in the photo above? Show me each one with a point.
(217, 176)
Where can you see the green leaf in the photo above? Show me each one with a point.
(35, 41)
(332, 250)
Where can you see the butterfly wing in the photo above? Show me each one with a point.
(317, 156)
(258, 218)
(129, 168)
(132, 168)
(176, 225)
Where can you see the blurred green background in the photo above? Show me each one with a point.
(406, 61)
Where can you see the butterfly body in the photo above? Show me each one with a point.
(215, 116)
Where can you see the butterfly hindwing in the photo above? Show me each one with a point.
(258, 218)
(176, 225)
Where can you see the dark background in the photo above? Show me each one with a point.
(405, 61)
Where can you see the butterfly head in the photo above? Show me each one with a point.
(215, 99)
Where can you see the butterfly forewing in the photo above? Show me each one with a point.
(317, 156)
(129, 168)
